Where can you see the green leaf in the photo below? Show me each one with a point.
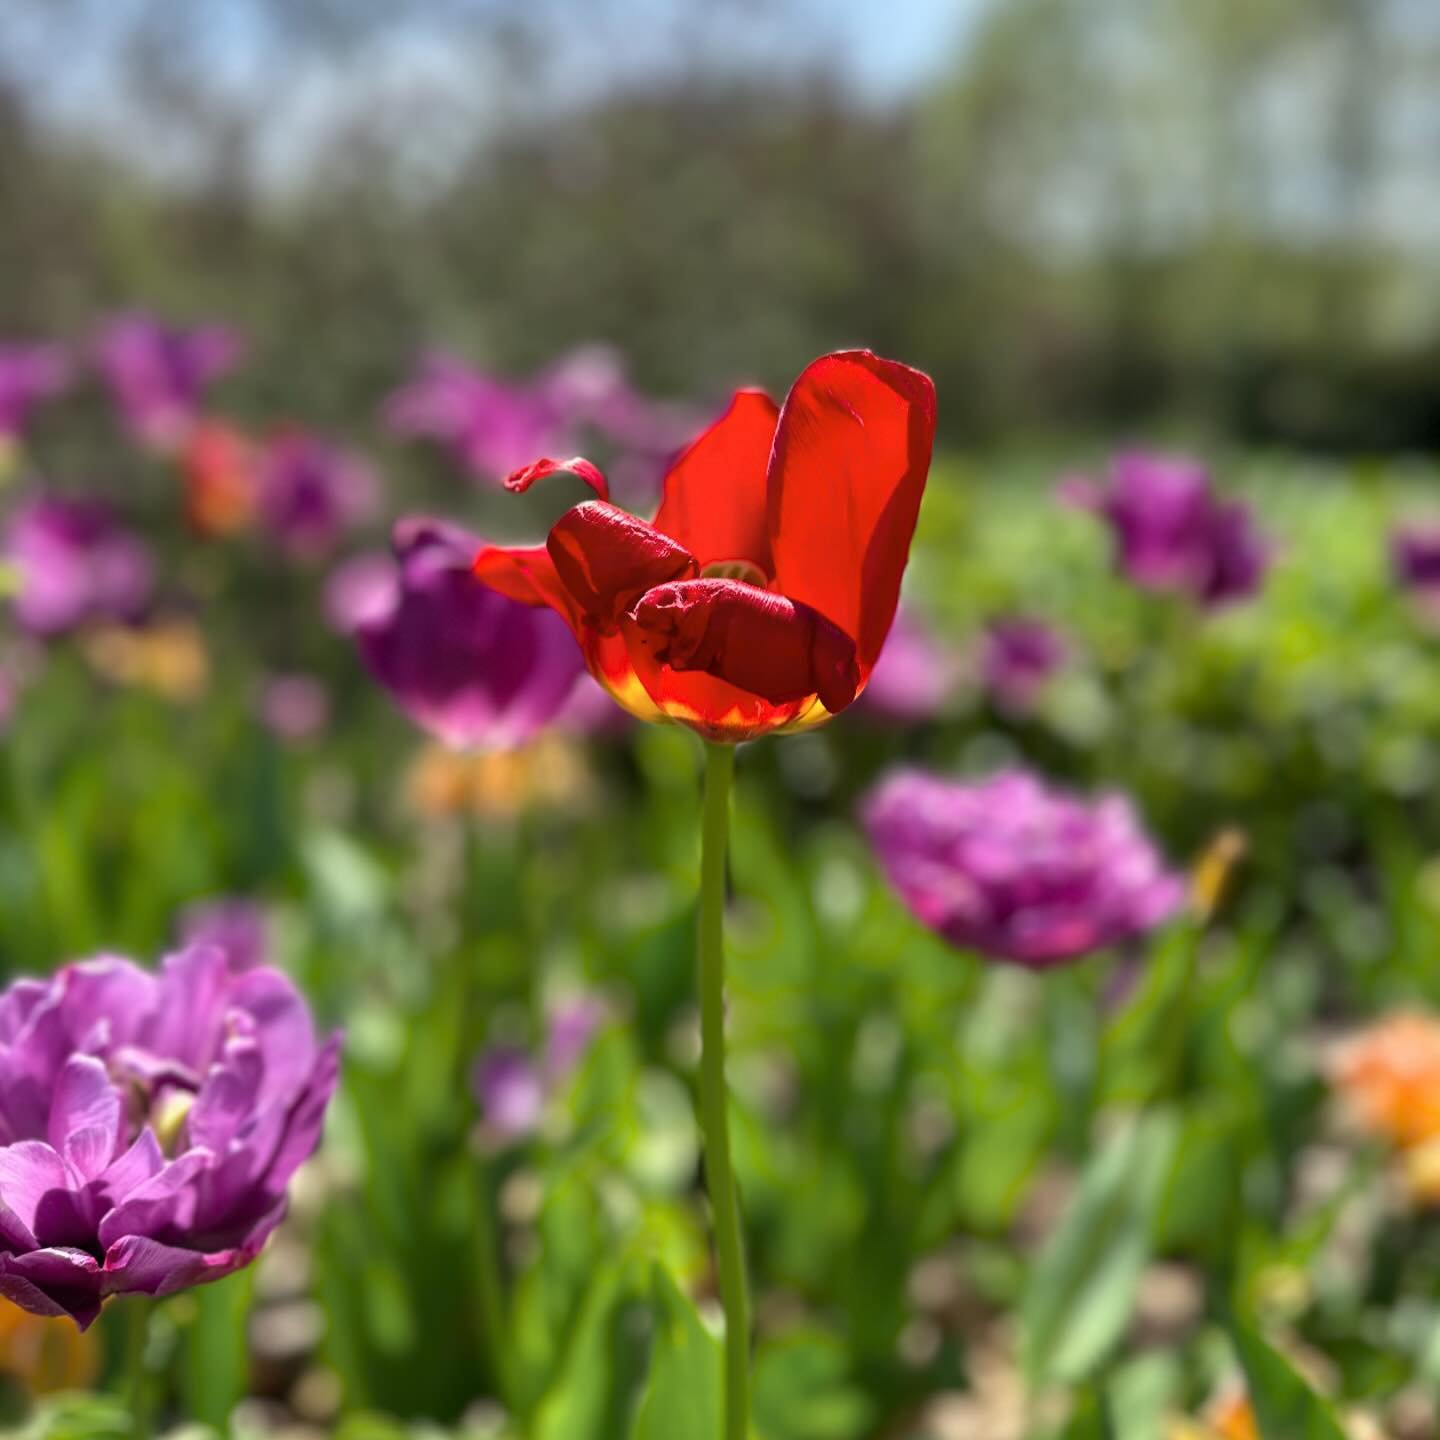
(216, 1373)
(594, 1392)
(1080, 1293)
(1285, 1405)
(682, 1398)
(805, 1390)
(1090, 1419)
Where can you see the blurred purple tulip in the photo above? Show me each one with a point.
(232, 924)
(1172, 532)
(495, 426)
(510, 1092)
(915, 677)
(1017, 871)
(512, 1085)
(311, 493)
(29, 375)
(364, 587)
(149, 1125)
(1415, 559)
(490, 425)
(592, 712)
(464, 662)
(158, 375)
(570, 1027)
(74, 563)
(1017, 657)
(295, 707)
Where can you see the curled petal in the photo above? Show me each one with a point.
(762, 643)
(852, 451)
(527, 573)
(714, 499)
(85, 1119)
(55, 1281)
(519, 481)
(607, 559)
(141, 1265)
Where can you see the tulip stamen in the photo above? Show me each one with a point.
(745, 571)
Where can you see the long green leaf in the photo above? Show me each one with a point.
(682, 1398)
(1285, 1405)
(1081, 1291)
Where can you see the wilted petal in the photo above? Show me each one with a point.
(755, 640)
(607, 559)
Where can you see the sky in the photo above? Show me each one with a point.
(889, 48)
(68, 58)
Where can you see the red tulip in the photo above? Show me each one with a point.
(760, 595)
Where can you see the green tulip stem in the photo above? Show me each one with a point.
(714, 1096)
(137, 1366)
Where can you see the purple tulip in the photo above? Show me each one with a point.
(149, 1125)
(1017, 657)
(364, 587)
(158, 376)
(466, 663)
(591, 712)
(588, 388)
(1172, 532)
(1415, 559)
(495, 426)
(571, 1026)
(310, 493)
(510, 1091)
(74, 564)
(512, 1085)
(232, 924)
(491, 426)
(1016, 871)
(29, 375)
(915, 677)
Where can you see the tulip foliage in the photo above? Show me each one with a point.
(1072, 952)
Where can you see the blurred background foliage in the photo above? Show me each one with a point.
(1088, 219)
(1074, 213)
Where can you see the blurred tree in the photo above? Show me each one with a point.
(1109, 213)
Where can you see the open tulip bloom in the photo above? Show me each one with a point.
(759, 596)
(149, 1125)
(756, 600)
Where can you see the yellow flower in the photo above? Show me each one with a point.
(1211, 876)
(168, 658)
(549, 772)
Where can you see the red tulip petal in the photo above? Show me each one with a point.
(607, 559)
(713, 708)
(760, 642)
(610, 662)
(714, 499)
(852, 450)
(519, 481)
(527, 573)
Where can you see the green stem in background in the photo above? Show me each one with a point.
(489, 1281)
(138, 1393)
(489, 1273)
(714, 1096)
